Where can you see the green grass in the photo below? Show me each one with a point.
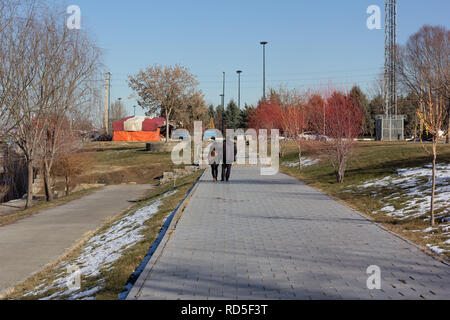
(113, 163)
(371, 160)
(117, 276)
(118, 162)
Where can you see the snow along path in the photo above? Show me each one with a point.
(28, 245)
(100, 252)
(413, 186)
(306, 162)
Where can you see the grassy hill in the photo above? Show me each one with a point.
(390, 183)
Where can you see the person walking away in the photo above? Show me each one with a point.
(229, 156)
(214, 159)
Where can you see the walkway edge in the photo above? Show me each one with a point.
(135, 291)
(424, 250)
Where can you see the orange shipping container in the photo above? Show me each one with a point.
(138, 136)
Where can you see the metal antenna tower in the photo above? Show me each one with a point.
(390, 83)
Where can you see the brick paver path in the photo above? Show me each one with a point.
(272, 237)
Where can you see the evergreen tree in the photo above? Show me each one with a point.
(369, 123)
(376, 107)
(244, 118)
(218, 117)
(408, 107)
(232, 115)
(211, 111)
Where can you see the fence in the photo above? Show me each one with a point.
(390, 127)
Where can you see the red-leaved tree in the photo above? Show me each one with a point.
(342, 121)
(295, 122)
(267, 115)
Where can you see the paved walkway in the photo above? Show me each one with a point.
(272, 237)
(28, 245)
(10, 207)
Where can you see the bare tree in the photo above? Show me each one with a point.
(13, 61)
(75, 60)
(70, 166)
(47, 81)
(343, 124)
(117, 111)
(424, 70)
(163, 89)
(195, 110)
(294, 118)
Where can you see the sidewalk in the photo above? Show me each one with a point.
(28, 245)
(272, 237)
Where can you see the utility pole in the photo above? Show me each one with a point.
(107, 102)
(239, 88)
(263, 43)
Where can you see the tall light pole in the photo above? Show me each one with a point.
(239, 88)
(134, 107)
(223, 105)
(120, 104)
(263, 43)
(107, 100)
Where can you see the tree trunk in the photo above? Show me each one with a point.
(299, 146)
(433, 188)
(341, 164)
(340, 174)
(67, 186)
(167, 127)
(447, 140)
(47, 182)
(283, 147)
(29, 184)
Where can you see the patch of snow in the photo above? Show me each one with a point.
(306, 162)
(102, 250)
(435, 249)
(416, 185)
(388, 209)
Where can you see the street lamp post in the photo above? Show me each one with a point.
(223, 126)
(263, 43)
(134, 107)
(223, 106)
(239, 88)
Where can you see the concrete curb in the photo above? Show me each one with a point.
(136, 289)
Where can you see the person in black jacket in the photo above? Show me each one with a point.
(229, 156)
(214, 159)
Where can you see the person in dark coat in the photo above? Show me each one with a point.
(229, 156)
(214, 159)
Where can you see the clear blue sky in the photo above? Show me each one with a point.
(310, 42)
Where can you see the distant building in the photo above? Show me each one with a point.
(138, 128)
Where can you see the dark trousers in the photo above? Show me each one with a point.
(226, 171)
(215, 170)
